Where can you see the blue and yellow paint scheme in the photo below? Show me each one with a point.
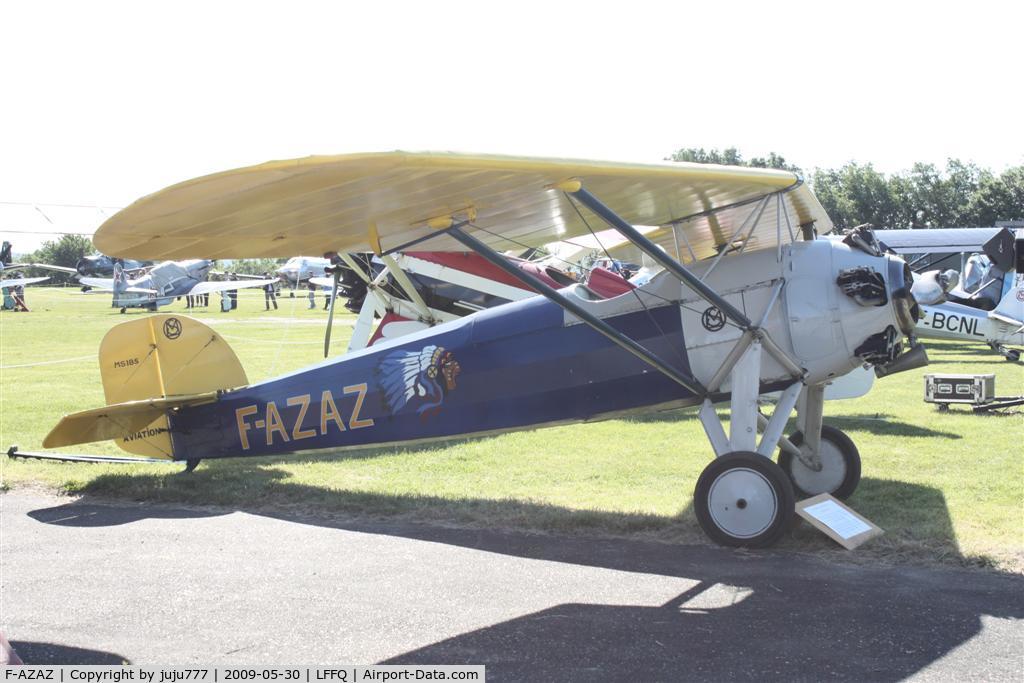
(510, 367)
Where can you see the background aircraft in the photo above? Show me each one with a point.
(163, 283)
(98, 265)
(984, 303)
(11, 285)
(299, 269)
(7, 263)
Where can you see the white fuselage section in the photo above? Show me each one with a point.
(1004, 325)
(793, 291)
(954, 321)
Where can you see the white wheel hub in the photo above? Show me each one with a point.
(826, 480)
(742, 502)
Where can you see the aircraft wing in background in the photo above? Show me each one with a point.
(59, 269)
(98, 282)
(322, 281)
(937, 240)
(21, 281)
(209, 287)
(244, 276)
(106, 284)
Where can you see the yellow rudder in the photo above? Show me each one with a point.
(172, 358)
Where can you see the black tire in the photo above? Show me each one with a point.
(764, 502)
(835, 443)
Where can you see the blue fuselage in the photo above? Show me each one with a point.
(517, 365)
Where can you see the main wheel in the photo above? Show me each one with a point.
(743, 499)
(840, 466)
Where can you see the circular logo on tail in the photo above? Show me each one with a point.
(712, 319)
(172, 328)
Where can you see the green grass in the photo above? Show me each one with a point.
(946, 487)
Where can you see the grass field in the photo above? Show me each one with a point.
(946, 487)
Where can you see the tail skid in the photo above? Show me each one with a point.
(14, 452)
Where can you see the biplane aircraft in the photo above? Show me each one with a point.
(161, 284)
(761, 306)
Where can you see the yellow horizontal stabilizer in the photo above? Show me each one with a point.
(378, 202)
(121, 421)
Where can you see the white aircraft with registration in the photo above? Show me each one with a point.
(763, 306)
(986, 304)
(161, 284)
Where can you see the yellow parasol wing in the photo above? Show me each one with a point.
(384, 201)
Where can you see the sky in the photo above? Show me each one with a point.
(106, 102)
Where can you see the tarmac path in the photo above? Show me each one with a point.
(86, 582)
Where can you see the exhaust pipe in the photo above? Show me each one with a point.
(916, 357)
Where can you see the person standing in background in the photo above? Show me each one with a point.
(269, 296)
(234, 292)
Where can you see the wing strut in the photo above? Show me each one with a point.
(686, 380)
(575, 189)
(652, 250)
(330, 315)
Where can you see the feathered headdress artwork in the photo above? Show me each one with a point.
(421, 378)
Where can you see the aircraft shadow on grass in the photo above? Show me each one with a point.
(980, 354)
(996, 361)
(876, 423)
(763, 614)
(45, 654)
(978, 349)
(886, 425)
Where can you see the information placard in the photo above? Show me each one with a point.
(837, 521)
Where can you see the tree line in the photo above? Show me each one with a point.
(961, 195)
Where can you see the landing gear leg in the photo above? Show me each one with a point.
(743, 499)
(821, 459)
(1012, 355)
(190, 465)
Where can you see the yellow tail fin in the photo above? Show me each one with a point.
(149, 366)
